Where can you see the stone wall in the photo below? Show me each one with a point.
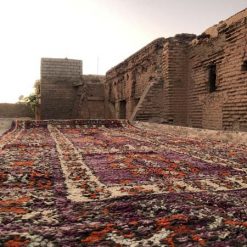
(15, 111)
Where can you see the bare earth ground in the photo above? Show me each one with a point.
(5, 123)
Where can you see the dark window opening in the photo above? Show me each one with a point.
(122, 109)
(244, 66)
(170, 120)
(212, 78)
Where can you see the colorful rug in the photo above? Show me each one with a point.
(107, 183)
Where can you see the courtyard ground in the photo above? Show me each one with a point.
(4, 124)
(108, 183)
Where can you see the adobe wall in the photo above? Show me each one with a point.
(175, 72)
(224, 45)
(58, 77)
(197, 81)
(90, 100)
(170, 81)
(153, 82)
(126, 82)
(15, 110)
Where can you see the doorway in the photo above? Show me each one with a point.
(122, 109)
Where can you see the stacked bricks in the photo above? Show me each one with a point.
(169, 81)
(226, 108)
(175, 69)
(57, 91)
(127, 81)
(60, 68)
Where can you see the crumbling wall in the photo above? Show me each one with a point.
(90, 102)
(18, 110)
(58, 93)
(126, 82)
(225, 47)
(184, 80)
(175, 71)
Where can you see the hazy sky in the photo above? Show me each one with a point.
(86, 29)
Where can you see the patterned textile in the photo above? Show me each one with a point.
(108, 183)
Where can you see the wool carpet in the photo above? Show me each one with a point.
(109, 183)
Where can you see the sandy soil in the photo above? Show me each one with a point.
(5, 124)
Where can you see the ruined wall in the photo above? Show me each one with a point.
(58, 93)
(175, 70)
(126, 82)
(91, 98)
(15, 110)
(183, 80)
(225, 47)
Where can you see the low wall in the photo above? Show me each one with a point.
(15, 111)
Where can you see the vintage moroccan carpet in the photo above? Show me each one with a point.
(107, 183)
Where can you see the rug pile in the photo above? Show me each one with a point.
(108, 183)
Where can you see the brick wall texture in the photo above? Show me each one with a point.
(57, 91)
(169, 79)
(65, 93)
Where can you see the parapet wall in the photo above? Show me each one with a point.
(61, 68)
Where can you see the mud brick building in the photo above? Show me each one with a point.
(197, 81)
(65, 93)
(186, 80)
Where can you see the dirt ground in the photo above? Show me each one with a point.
(5, 124)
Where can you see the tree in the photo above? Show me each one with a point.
(32, 100)
(21, 99)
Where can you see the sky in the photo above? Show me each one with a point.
(107, 31)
